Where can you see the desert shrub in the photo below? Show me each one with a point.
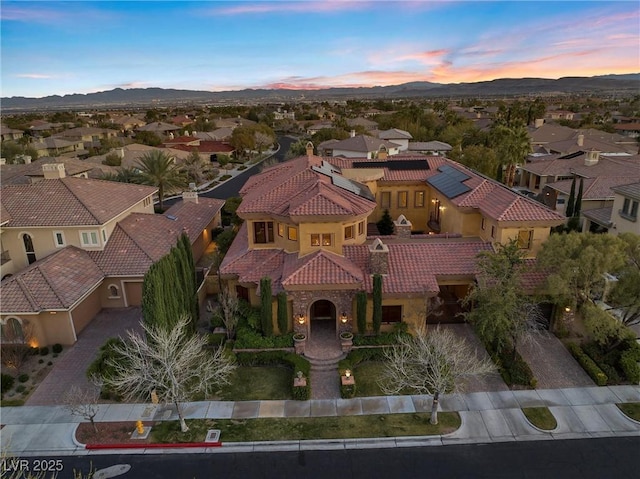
(590, 367)
(21, 388)
(23, 378)
(7, 382)
(57, 348)
(40, 361)
(225, 177)
(44, 351)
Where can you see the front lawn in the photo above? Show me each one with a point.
(367, 375)
(540, 417)
(293, 429)
(258, 383)
(631, 409)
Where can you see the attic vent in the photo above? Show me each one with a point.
(171, 217)
(380, 247)
(402, 220)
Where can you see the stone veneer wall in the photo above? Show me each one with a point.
(302, 301)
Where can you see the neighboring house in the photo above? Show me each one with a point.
(358, 146)
(90, 137)
(56, 147)
(438, 148)
(632, 130)
(316, 127)
(284, 115)
(559, 115)
(131, 154)
(127, 123)
(399, 137)
(553, 139)
(31, 172)
(306, 223)
(7, 133)
(72, 246)
(622, 217)
(159, 128)
(367, 125)
(181, 121)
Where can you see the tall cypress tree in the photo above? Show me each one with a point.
(190, 276)
(361, 311)
(578, 205)
(266, 313)
(377, 303)
(283, 315)
(571, 200)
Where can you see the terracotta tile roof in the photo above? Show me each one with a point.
(599, 215)
(631, 190)
(408, 175)
(55, 282)
(207, 147)
(141, 239)
(532, 278)
(183, 140)
(70, 201)
(594, 189)
(320, 267)
(362, 144)
(394, 134)
(293, 188)
(416, 267)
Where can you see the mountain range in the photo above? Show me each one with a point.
(141, 97)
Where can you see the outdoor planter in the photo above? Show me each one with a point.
(299, 341)
(346, 341)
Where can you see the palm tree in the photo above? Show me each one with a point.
(512, 146)
(157, 168)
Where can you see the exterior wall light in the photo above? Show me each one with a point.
(343, 318)
(347, 373)
(567, 309)
(301, 319)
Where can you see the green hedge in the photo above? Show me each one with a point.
(292, 360)
(7, 382)
(382, 339)
(607, 362)
(247, 338)
(100, 368)
(588, 364)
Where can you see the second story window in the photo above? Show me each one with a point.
(385, 199)
(263, 232)
(403, 199)
(361, 228)
(418, 199)
(89, 238)
(629, 210)
(58, 237)
(292, 233)
(348, 232)
(321, 240)
(525, 238)
(280, 230)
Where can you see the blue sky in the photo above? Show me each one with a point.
(87, 46)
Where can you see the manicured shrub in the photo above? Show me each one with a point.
(249, 339)
(590, 367)
(347, 391)
(57, 348)
(283, 314)
(40, 361)
(377, 303)
(21, 388)
(224, 177)
(629, 365)
(266, 312)
(6, 382)
(23, 378)
(44, 351)
(361, 311)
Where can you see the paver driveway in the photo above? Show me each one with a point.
(70, 369)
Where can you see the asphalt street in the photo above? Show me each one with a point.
(576, 458)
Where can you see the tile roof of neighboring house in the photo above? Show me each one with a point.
(531, 277)
(141, 239)
(595, 188)
(5, 217)
(293, 188)
(158, 126)
(627, 126)
(599, 215)
(631, 190)
(549, 132)
(182, 140)
(133, 152)
(19, 174)
(391, 174)
(416, 267)
(83, 131)
(606, 166)
(573, 144)
(319, 267)
(70, 201)
(395, 134)
(52, 142)
(218, 134)
(55, 282)
(5, 130)
(429, 146)
(208, 147)
(363, 144)
(362, 122)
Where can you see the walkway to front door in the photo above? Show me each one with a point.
(323, 352)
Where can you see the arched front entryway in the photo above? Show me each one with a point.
(323, 319)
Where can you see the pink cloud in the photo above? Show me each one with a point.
(425, 57)
(52, 16)
(34, 76)
(290, 7)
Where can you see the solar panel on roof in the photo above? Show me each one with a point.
(352, 186)
(394, 164)
(447, 185)
(453, 172)
(571, 156)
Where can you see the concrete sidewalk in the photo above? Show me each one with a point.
(486, 417)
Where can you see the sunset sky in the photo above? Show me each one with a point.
(87, 46)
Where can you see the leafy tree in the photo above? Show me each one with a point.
(224, 240)
(157, 168)
(574, 265)
(361, 311)
(481, 158)
(172, 362)
(625, 294)
(299, 148)
(434, 362)
(283, 314)
(502, 314)
(328, 134)
(148, 138)
(112, 159)
(572, 198)
(603, 328)
(385, 225)
(377, 303)
(243, 140)
(229, 209)
(266, 313)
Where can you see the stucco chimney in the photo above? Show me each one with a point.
(402, 227)
(378, 257)
(120, 152)
(580, 139)
(383, 154)
(190, 196)
(53, 171)
(309, 148)
(353, 133)
(591, 158)
(538, 122)
(26, 159)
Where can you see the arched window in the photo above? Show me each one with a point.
(28, 248)
(114, 292)
(12, 331)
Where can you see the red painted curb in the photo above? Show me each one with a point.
(152, 445)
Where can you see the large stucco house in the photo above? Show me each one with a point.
(72, 246)
(310, 227)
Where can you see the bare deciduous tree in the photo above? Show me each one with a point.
(174, 362)
(229, 305)
(431, 363)
(84, 402)
(16, 350)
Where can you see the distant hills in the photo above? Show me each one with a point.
(141, 97)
